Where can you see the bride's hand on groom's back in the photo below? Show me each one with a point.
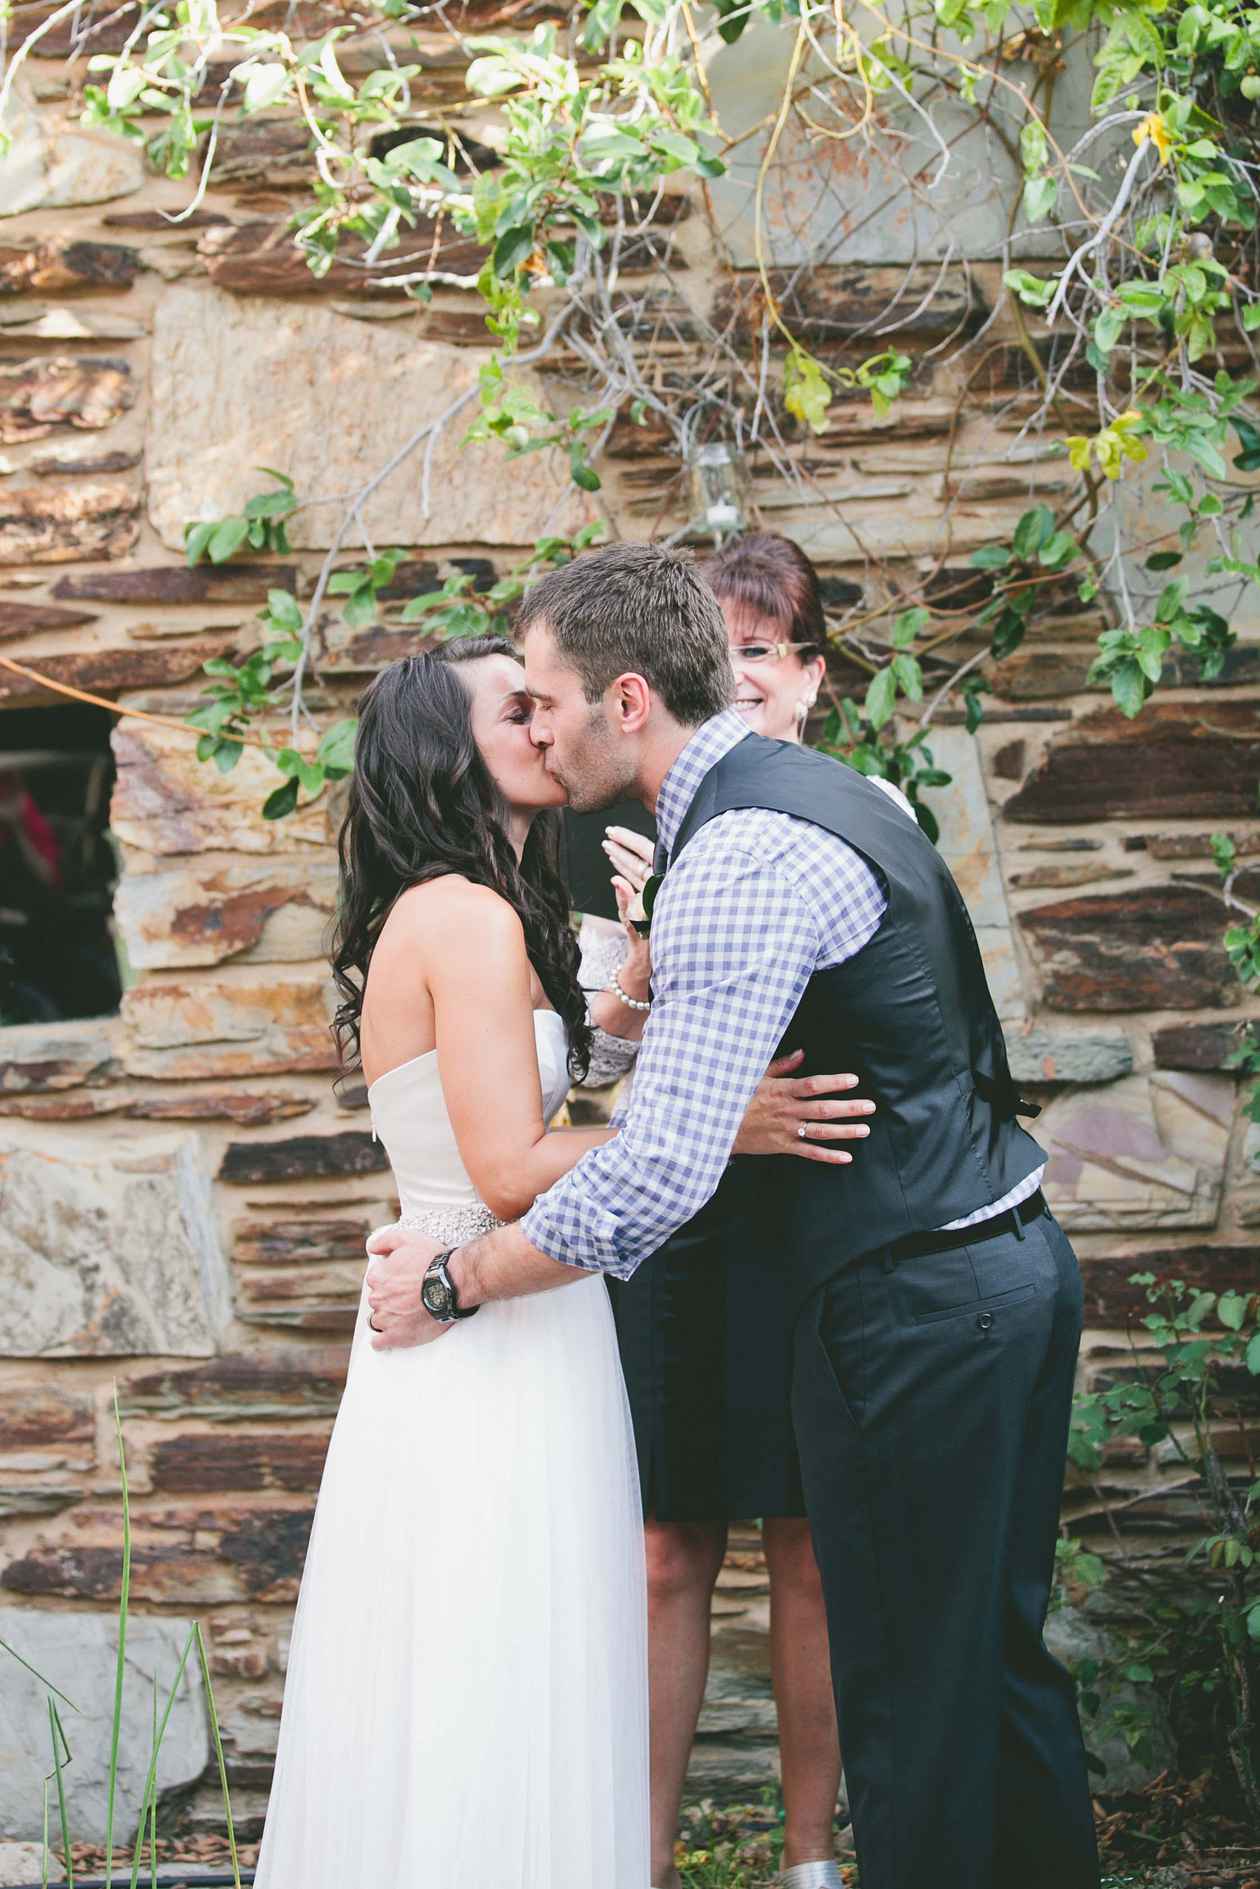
(801, 1115)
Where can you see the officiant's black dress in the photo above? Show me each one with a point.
(703, 1325)
(706, 1348)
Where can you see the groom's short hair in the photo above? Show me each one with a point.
(637, 608)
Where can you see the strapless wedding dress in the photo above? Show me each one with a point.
(466, 1699)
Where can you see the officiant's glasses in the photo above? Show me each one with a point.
(764, 652)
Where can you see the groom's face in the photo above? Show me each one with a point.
(582, 749)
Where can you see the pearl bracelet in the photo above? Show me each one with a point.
(631, 1003)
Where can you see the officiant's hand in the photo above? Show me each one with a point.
(631, 855)
(399, 1262)
(791, 1114)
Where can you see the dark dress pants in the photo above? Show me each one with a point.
(932, 1400)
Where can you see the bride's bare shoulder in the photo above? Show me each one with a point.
(453, 913)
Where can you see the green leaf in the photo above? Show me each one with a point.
(227, 537)
(881, 697)
(581, 473)
(196, 538)
(1128, 687)
(675, 145)
(284, 611)
(1033, 290)
(928, 821)
(1142, 298)
(1033, 148)
(332, 73)
(1108, 327)
(271, 505)
(1059, 549)
(602, 22)
(1163, 560)
(1253, 1355)
(1171, 600)
(733, 17)
(281, 802)
(226, 755)
(990, 557)
(1032, 531)
(336, 748)
(360, 608)
(907, 625)
(1208, 456)
(512, 248)
(1040, 194)
(1008, 633)
(909, 677)
(1231, 1309)
(610, 143)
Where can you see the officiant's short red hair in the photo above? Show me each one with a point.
(763, 579)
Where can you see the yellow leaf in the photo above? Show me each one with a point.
(1078, 451)
(805, 390)
(1154, 128)
(1107, 447)
(1126, 421)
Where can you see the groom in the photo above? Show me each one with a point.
(939, 1304)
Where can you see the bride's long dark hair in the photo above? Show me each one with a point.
(423, 803)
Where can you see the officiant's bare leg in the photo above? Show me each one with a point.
(809, 1746)
(683, 1562)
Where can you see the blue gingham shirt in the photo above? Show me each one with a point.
(757, 902)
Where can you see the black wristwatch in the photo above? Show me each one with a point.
(439, 1294)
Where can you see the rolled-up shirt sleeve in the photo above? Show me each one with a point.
(734, 945)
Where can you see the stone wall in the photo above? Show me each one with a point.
(185, 1198)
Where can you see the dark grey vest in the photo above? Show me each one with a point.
(911, 1015)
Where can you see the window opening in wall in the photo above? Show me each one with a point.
(57, 868)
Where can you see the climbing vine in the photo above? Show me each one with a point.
(535, 169)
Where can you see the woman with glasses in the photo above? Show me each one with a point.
(705, 1346)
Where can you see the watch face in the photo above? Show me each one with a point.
(436, 1298)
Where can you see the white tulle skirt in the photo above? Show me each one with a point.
(466, 1700)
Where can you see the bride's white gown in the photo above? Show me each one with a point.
(466, 1700)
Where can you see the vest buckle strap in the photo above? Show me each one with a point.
(1001, 1094)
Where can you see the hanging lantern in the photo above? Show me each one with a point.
(719, 490)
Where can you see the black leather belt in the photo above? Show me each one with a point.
(1012, 1220)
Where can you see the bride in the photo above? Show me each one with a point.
(417, 1749)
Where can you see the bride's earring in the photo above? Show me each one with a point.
(802, 709)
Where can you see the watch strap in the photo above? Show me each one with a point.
(438, 1265)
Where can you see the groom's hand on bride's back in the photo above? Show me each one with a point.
(399, 1262)
(791, 1114)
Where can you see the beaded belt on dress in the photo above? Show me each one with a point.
(453, 1225)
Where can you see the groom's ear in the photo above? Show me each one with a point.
(630, 703)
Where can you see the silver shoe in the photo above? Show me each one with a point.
(812, 1876)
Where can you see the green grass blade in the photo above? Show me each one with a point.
(218, 1752)
(124, 1596)
(153, 1802)
(150, 1782)
(14, 1654)
(58, 1734)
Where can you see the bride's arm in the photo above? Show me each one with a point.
(479, 980)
